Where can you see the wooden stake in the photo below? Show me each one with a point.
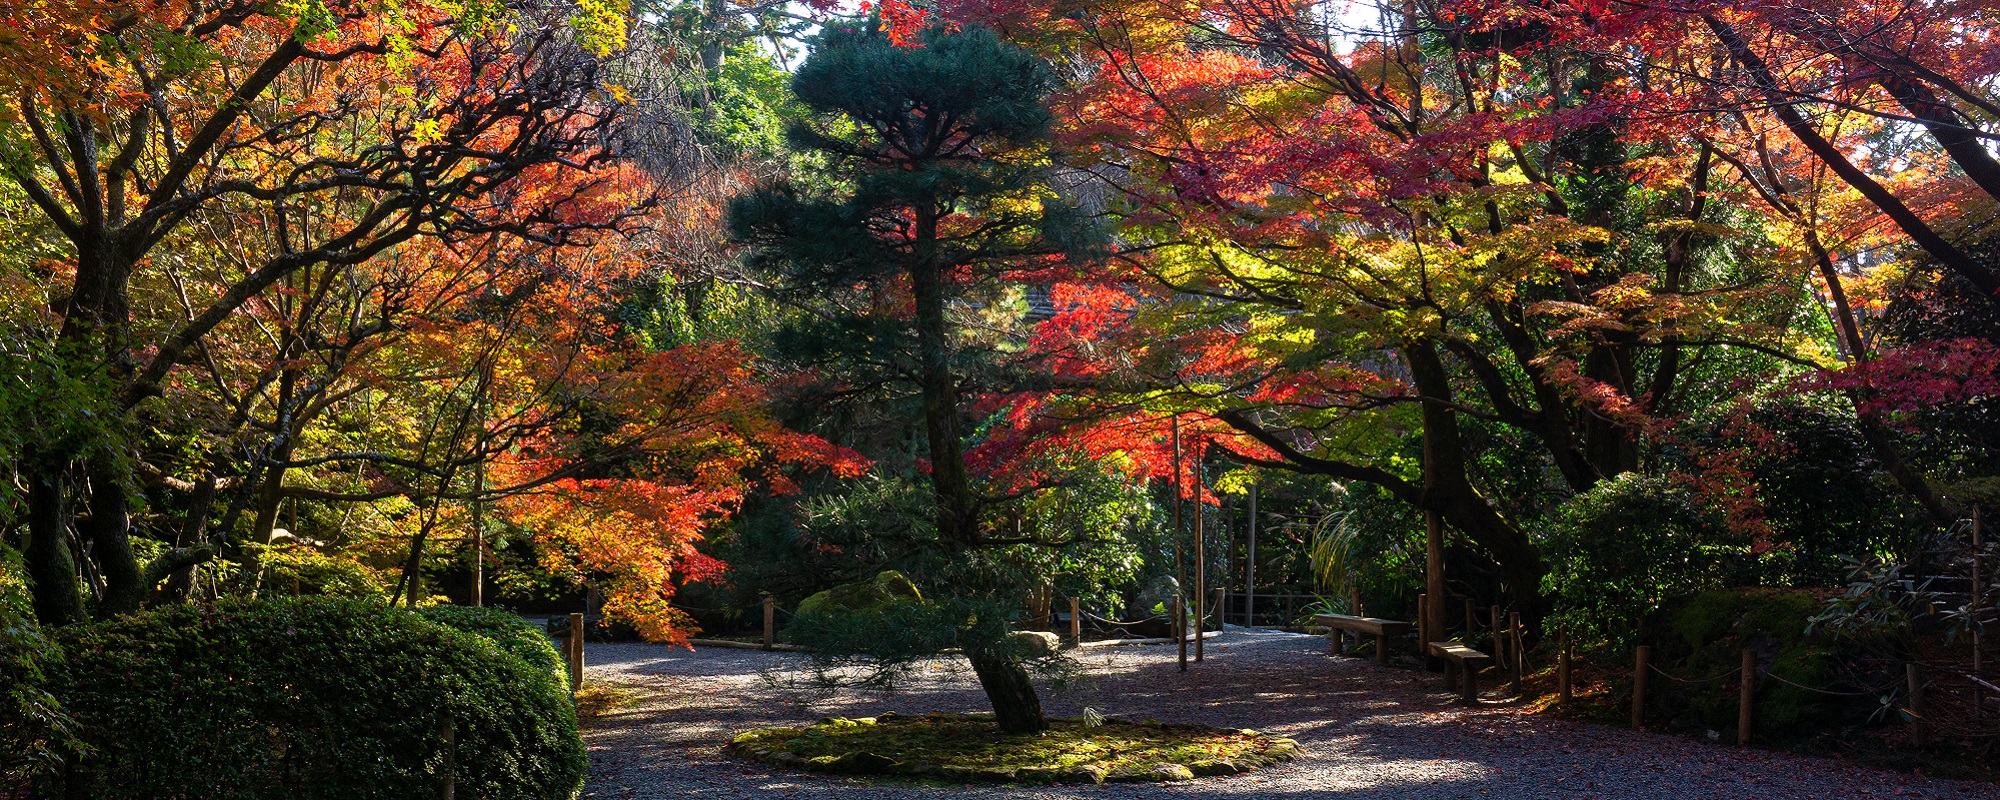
(1180, 630)
(1200, 551)
(449, 732)
(1250, 565)
(1644, 655)
(1423, 622)
(1075, 620)
(1562, 675)
(770, 622)
(575, 651)
(1354, 601)
(1221, 606)
(1919, 730)
(1471, 620)
(1744, 696)
(1499, 641)
(1972, 612)
(1514, 637)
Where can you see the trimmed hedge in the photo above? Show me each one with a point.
(311, 698)
(508, 631)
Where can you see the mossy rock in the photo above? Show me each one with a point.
(887, 589)
(969, 748)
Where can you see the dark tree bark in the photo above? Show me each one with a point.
(52, 574)
(1009, 689)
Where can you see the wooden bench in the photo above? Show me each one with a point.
(1461, 668)
(1381, 628)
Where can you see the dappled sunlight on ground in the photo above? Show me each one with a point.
(1369, 732)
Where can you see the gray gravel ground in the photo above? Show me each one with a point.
(1368, 732)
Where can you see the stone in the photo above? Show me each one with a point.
(1172, 772)
(978, 774)
(787, 758)
(917, 768)
(890, 716)
(1039, 774)
(1083, 773)
(1032, 645)
(822, 763)
(888, 588)
(1210, 769)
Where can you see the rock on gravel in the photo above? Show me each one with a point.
(1368, 733)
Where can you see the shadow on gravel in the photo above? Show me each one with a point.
(1369, 732)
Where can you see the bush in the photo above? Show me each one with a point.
(1622, 548)
(506, 630)
(34, 730)
(310, 698)
(1705, 635)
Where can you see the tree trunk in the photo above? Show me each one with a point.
(1451, 494)
(956, 509)
(1009, 689)
(109, 529)
(51, 571)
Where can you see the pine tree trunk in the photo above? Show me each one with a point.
(1011, 692)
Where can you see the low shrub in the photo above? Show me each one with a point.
(34, 730)
(1701, 642)
(506, 630)
(311, 698)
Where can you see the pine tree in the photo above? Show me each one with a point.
(937, 198)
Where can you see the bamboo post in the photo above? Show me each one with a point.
(1354, 601)
(1514, 645)
(1499, 641)
(1471, 621)
(575, 651)
(1180, 630)
(1075, 620)
(770, 622)
(1644, 655)
(1919, 733)
(1746, 693)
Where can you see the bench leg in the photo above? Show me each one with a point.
(1470, 694)
(1450, 674)
(1336, 642)
(1381, 649)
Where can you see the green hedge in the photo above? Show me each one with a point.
(311, 698)
(507, 630)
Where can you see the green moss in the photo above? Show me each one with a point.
(886, 589)
(969, 747)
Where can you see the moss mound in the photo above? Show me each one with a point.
(971, 748)
(887, 589)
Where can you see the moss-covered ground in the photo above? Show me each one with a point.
(972, 748)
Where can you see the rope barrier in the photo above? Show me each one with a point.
(1716, 676)
(1870, 693)
(1117, 623)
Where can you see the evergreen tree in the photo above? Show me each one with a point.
(937, 203)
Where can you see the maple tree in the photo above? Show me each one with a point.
(363, 256)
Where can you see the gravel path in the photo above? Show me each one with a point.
(1368, 732)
